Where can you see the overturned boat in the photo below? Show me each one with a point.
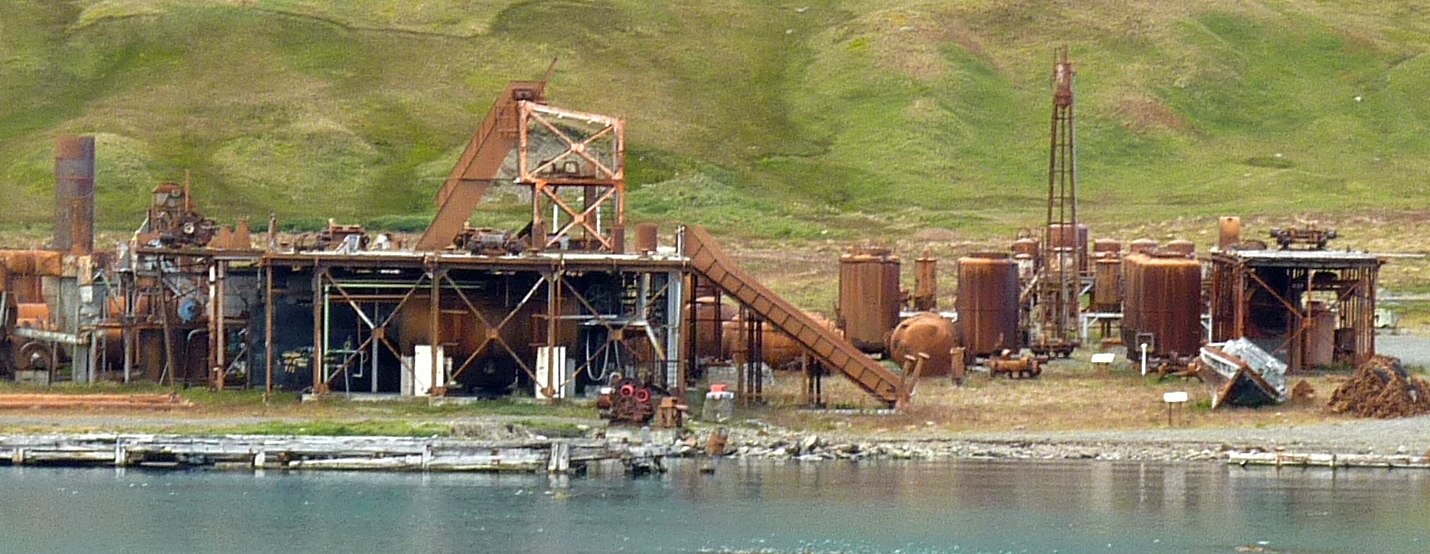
(1240, 373)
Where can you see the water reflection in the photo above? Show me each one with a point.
(965, 506)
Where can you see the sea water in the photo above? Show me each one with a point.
(741, 506)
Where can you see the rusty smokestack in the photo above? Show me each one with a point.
(74, 194)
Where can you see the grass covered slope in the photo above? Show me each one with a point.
(764, 118)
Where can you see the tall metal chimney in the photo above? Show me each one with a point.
(74, 194)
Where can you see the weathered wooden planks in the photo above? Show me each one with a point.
(322, 453)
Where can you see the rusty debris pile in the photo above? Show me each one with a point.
(1381, 388)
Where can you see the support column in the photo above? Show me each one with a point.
(434, 331)
(320, 385)
(674, 320)
(268, 333)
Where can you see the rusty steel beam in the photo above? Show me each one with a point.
(833, 351)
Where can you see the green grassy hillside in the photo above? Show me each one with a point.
(762, 117)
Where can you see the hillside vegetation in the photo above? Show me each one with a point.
(763, 118)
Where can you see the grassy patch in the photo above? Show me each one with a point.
(850, 119)
(386, 428)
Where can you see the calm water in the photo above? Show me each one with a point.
(967, 506)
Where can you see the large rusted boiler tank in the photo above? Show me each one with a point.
(869, 298)
(1228, 231)
(988, 304)
(1142, 246)
(926, 333)
(1068, 238)
(1162, 305)
(709, 322)
(1106, 285)
(778, 350)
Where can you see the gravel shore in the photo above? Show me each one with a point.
(1381, 437)
(752, 439)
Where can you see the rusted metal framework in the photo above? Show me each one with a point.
(573, 162)
(493, 318)
(1274, 297)
(1058, 280)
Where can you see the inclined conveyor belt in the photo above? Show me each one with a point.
(823, 343)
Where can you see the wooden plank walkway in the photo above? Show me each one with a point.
(323, 453)
(1333, 461)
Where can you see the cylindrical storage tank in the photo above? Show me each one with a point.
(925, 284)
(988, 304)
(1025, 248)
(74, 194)
(709, 322)
(1142, 246)
(1180, 247)
(1228, 231)
(778, 350)
(1064, 237)
(1321, 340)
(1107, 285)
(1163, 296)
(926, 333)
(647, 239)
(1106, 248)
(869, 298)
(1131, 298)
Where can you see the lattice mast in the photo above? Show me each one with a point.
(1063, 249)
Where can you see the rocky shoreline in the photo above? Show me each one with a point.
(815, 448)
(1401, 442)
(1369, 439)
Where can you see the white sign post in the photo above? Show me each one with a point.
(1144, 359)
(1178, 397)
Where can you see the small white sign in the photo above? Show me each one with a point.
(1103, 358)
(1174, 397)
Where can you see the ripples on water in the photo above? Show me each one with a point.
(904, 508)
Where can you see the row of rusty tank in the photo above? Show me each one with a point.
(868, 315)
(1160, 286)
(870, 307)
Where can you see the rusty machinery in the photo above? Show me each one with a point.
(1308, 237)
(173, 221)
(573, 162)
(1057, 284)
(635, 402)
(1016, 367)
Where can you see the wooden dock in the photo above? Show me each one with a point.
(1333, 461)
(255, 452)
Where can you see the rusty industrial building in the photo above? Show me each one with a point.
(579, 298)
(564, 303)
